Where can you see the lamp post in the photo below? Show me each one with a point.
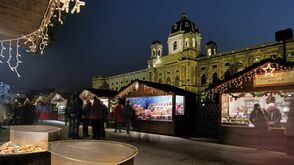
(284, 35)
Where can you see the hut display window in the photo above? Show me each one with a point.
(237, 107)
(180, 105)
(154, 108)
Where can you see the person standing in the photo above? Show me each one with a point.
(258, 118)
(75, 112)
(274, 115)
(86, 118)
(118, 115)
(290, 130)
(129, 115)
(96, 113)
(29, 113)
(104, 119)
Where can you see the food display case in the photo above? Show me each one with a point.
(28, 145)
(98, 152)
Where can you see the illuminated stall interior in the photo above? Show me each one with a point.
(269, 83)
(103, 95)
(159, 108)
(237, 107)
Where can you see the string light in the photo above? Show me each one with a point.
(1, 54)
(38, 40)
(238, 82)
(77, 6)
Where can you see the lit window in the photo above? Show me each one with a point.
(194, 42)
(209, 52)
(187, 42)
(158, 52)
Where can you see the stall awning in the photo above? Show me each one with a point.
(147, 88)
(269, 73)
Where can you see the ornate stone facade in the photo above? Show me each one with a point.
(185, 67)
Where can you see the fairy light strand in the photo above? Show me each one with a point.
(38, 40)
(18, 61)
(238, 82)
(1, 53)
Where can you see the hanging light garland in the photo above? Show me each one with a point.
(266, 69)
(37, 40)
(143, 89)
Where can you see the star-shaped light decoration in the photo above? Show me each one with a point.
(269, 70)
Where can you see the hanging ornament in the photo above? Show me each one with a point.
(269, 70)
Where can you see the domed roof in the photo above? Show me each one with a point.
(184, 25)
(210, 43)
(156, 42)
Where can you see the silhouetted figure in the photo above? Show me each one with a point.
(104, 119)
(29, 113)
(290, 129)
(258, 118)
(129, 116)
(96, 114)
(86, 118)
(75, 112)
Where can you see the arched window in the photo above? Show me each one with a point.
(168, 81)
(175, 45)
(214, 78)
(203, 79)
(160, 80)
(177, 81)
(153, 52)
(209, 52)
(194, 42)
(187, 42)
(158, 52)
(227, 74)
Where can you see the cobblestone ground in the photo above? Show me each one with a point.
(168, 150)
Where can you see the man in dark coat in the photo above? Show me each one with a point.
(258, 118)
(75, 111)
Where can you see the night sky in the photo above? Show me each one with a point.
(110, 37)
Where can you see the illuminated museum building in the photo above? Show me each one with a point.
(186, 67)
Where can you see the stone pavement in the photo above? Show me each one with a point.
(167, 150)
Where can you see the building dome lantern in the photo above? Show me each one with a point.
(211, 48)
(184, 25)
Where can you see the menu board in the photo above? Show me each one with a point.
(155, 108)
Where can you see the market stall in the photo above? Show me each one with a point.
(101, 94)
(160, 108)
(59, 103)
(268, 84)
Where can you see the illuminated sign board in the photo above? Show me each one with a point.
(277, 78)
